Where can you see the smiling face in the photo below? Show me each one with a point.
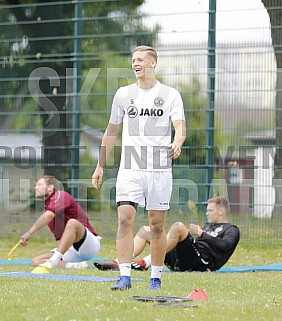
(143, 65)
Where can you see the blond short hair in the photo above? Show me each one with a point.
(220, 201)
(151, 51)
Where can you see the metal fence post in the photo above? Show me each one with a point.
(210, 97)
(76, 98)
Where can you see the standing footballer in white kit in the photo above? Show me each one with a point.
(146, 110)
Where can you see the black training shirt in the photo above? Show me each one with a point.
(217, 243)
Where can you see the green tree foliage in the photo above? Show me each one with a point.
(40, 34)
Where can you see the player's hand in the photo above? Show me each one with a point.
(174, 151)
(97, 177)
(195, 229)
(24, 238)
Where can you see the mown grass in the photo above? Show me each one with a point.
(232, 296)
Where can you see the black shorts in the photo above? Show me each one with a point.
(185, 257)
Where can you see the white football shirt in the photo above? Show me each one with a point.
(146, 115)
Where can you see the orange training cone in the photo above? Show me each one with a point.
(197, 295)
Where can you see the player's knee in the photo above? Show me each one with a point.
(125, 223)
(175, 230)
(177, 227)
(157, 229)
(72, 224)
(182, 228)
(144, 233)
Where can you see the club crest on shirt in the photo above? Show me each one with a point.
(216, 231)
(158, 101)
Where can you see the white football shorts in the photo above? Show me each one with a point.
(87, 251)
(152, 188)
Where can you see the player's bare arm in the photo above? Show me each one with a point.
(108, 142)
(179, 138)
(42, 221)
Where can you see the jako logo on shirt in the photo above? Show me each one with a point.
(133, 112)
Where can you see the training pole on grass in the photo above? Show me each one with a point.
(210, 98)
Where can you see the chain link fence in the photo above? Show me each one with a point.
(61, 63)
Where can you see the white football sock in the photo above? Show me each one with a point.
(156, 271)
(147, 260)
(56, 257)
(125, 269)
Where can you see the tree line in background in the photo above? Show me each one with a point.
(110, 30)
(40, 34)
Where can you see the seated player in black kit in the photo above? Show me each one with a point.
(193, 248)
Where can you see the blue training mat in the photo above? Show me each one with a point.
(62, 277)
(259, 268)
(224, 269)
(28, 261)
(16, 261)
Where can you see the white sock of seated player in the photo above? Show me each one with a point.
(156, 271)
(56, 257)
(70, 265)
(147, 260)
